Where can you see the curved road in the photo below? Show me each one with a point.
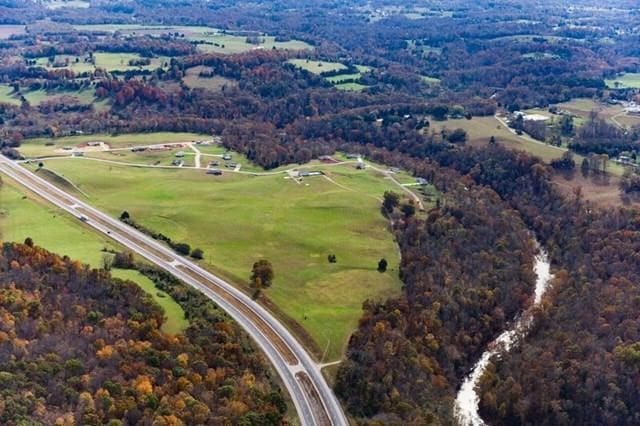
(314, 400)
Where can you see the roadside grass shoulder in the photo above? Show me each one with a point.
(24, 215)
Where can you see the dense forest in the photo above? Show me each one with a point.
(80, 347)
(467, 269)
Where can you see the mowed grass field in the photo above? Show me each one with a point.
(42, 147)
(36, 97)
(208, 39)
(625, 81)
(238, 219)
(480, 129)
(105, 60)
(318, 67)
(23, 215)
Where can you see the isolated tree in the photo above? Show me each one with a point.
(107, 261)
(261, 276)
(123, 260)
(457, 136)
(182, 248)
(28, 242)
(382, 265)
(584, 167)
(125, 215)
(332, 258)
(390, 201)
(197, 253)
(408, 210)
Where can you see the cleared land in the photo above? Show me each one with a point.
(7, 31)
(43, 147)
(431, 81)
(625, 81)
(317, 67)
(36, 97)
(347, 81)
(108, 61)
(480, 130)
(193, 80)
(208, 39)
(237, 219)
(57, 4)
(23, 215)
(604, 191)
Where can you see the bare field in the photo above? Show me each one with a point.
(603, 191)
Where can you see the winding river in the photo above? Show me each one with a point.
(467, 400)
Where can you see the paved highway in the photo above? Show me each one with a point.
(314, 400)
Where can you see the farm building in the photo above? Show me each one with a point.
(308, 173)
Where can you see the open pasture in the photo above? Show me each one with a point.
(193, 80)
(237, 219)
(43, 147)
(624, 81)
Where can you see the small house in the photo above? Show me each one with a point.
(179, 154)
(177, 163)
(214, 163)
(422, 181)
(215, 172)
(226, 156)
(231, 165)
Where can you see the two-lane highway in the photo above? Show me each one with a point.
(314, 400)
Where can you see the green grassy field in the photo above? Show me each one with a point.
(431, 81)
(36, 97)
(338, 78)
(107, 61)
(317, 67)
(57, 4)
(22, 215)
(354, 87)
(625, 81)
(7, 95)
(480, 130)
(238, 219)
(151, 158)
(41, 147)
(208, 39)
